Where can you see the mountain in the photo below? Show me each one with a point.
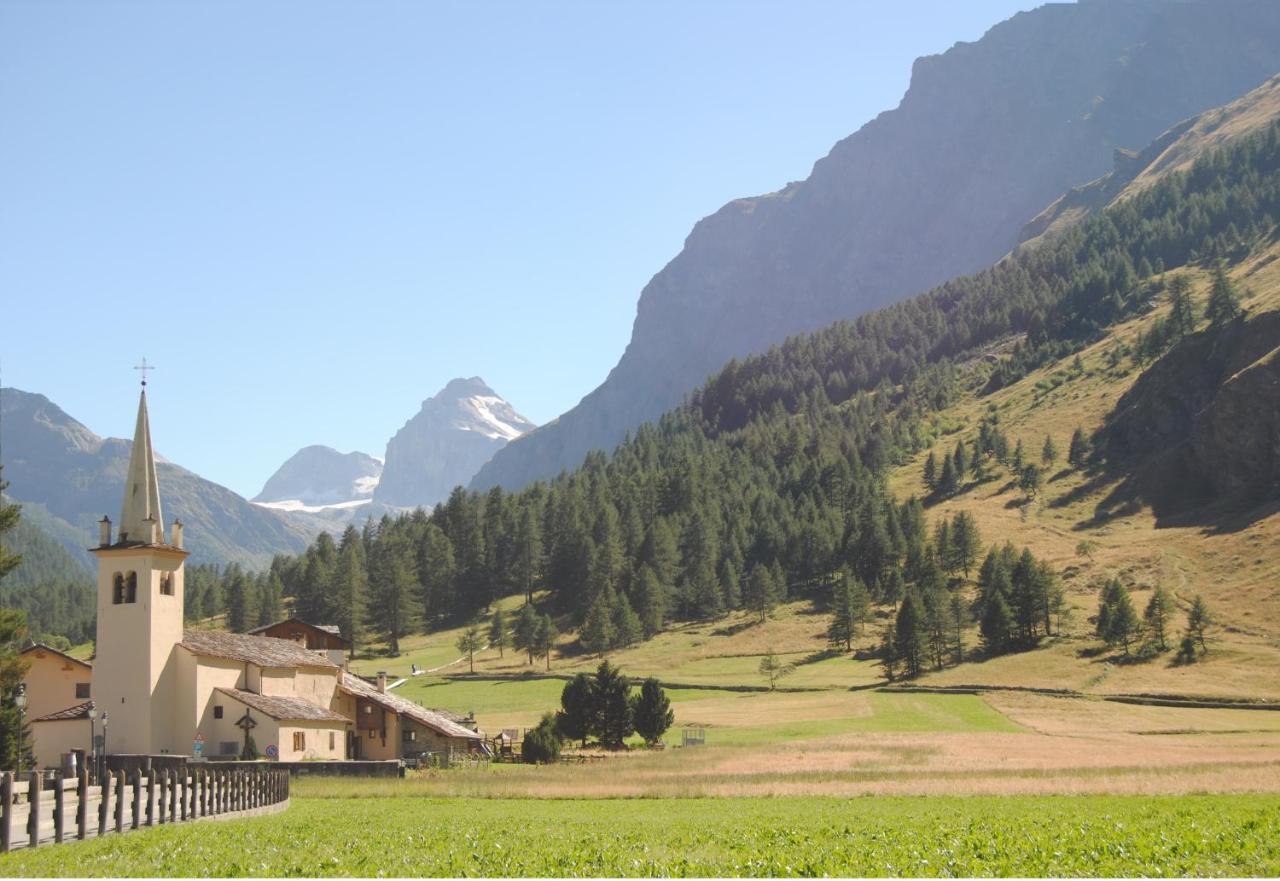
(455, 432)
(987, 135)
(319, 477)
(76, 477)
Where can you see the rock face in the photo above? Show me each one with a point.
(321, 477)
(987, 135)
(444, 445)
(1203, 423)
(76, 476)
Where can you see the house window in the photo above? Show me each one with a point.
(117, 588)
(131, 587)
(166, 584)
(333, 744)
(299, 741)
(409, 735)
(82, 691)
(372, 734)
(217, 712)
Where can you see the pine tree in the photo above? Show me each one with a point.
(961, 460)
(541, 745)
(1159, 609)
(576, 719)
(9, 516)
(931, 472)
(652, 712)
(15, 732)
(597, 635)
(349, 588)
(626, 624)
(1182, 315)
(498, 632)
(613, 701)
(966, 542)
(651, 601)
(438, 594)
(1199, 620)
(774, 668)
(1224, 300)
(524, 634)
(546, 638)
(469, 642)
(948, 482)
(271, 600)
(849, 607)
(910, 635)
(1049, 452)
(529, 554)
(393, 586)
(996, 626)
(240, 601)
(761, 593)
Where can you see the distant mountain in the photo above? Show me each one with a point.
(75, 477)
(443, 446)
(987, 134)
(319, 477)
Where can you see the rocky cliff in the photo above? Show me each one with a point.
(320, 477)
(455, 432)
(987, 135)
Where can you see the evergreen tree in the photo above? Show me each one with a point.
(546, 638)
(1049, 452)
(1182, 314)
(966, 542)
(498, 632)
(626, 624)
(1159, 609)
(761, 594)
(651, 601)
(438, 594)
(960, 458)
(9, 517)
(931, 472)
(349, 588)
(393, 585)
(613, 701)
(271, 599)
(652, 712)
(15, 732)
(774, 668)
(524, 635)
(1199, 620)
(240, 601)
(597, 635)
(1117, 620)
(529, 552)
(910, 636)
(541, 746)
(849, 608)
(996, 626)
(889, 657)
(948, 482)
(576, 719)
(1030, 479)
(1224, 300)
(469, 642)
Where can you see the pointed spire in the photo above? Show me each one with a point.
(140, 520)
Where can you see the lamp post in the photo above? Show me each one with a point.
(93, 739)
(20, 701)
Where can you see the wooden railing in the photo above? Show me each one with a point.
(43, 808)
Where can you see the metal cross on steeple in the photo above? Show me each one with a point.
(144, 367)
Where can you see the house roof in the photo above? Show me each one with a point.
(265, 651)
(40, 646)
(79, 711)
(284, 709)
(328, 629)
(361, 688)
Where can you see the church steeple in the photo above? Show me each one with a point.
(140, 518)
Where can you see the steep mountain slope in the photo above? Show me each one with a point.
(77, 476)
(987, 135)
(320, 477)
(446, 442)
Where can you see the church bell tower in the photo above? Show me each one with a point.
(140, 596)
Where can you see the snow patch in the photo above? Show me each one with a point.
(364, 486)
(299, 505)
(490, 424)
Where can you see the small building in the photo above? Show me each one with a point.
(388, 726)
(59, 688)
(318, 637)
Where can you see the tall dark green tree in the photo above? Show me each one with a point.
(652, 711)
(614, 722)
(1224, 300)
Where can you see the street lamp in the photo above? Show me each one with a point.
(102, 760)
(20, 701)
(93, 739)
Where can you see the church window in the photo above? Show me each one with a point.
(166, 584)
(332, 742)
(82, 691)
(131, 587)
(117, 588)
(299, 740)
(217, 712)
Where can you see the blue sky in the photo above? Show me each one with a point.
(312, 215)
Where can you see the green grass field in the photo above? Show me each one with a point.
(1091, 836)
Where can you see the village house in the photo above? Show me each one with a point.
(158, 688)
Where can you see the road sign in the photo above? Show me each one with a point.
(197, 748)
(199, 737)
(272, 752)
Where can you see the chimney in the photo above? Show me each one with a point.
(177, 533)
(104, 532)
(382, 682)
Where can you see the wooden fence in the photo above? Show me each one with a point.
(52, 809)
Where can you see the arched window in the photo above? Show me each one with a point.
(131, 587)
(166, 584)
(117, 588)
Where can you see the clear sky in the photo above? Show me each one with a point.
(312, 215)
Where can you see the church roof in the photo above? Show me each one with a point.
(79, 711)
(265, 651)
(141, 488)
(284, 709)
(361, 688)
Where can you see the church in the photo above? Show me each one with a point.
(155, 687)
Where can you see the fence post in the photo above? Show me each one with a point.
(104, 804)
(163, 808)
(6, 811)
(82, 798)
(119, 775)
(151, 797)
(201, 779)
(173, 795)
(59, 806)
(183, 793)
(33, 802)
(135, 820)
